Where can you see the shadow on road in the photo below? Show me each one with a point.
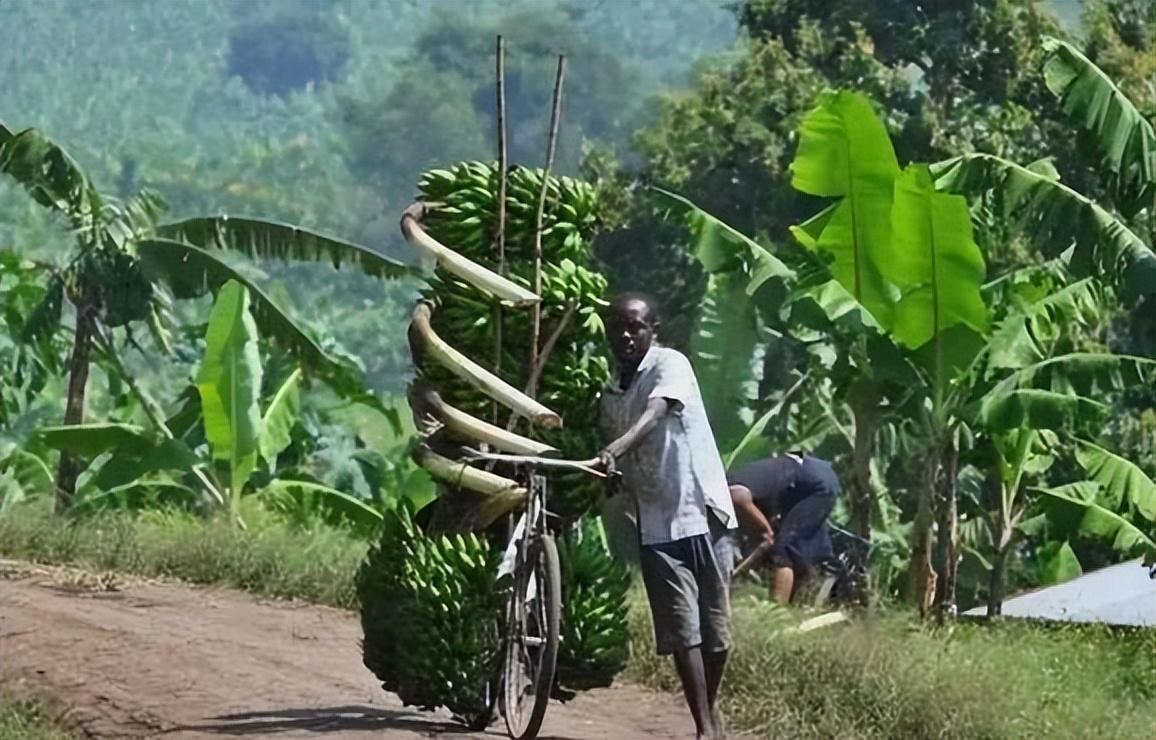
(326, 719)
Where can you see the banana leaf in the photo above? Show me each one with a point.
(1124, 136)
(229, 382)
(1059, 219)
(263, 239)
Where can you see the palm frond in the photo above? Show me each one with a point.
(259, 239)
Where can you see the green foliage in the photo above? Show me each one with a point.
(1124, 136)
(21, 719)
(429, 608)
(229, 382)
(287, 52)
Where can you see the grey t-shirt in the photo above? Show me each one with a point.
(674, 473)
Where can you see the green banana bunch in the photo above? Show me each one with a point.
(429, 609)
(594, 611)
(572, 291)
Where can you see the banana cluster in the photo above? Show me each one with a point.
(116, 282)
(429, 608)
(572, 291)
(594, 609)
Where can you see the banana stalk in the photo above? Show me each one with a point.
(463, 267)
(423, 339)
(501, 495)
(462, 424)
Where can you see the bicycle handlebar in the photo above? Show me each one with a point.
(533, 462)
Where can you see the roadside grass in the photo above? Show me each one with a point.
(271, 557)
(885, 677)
(21, 719)
(890, 677)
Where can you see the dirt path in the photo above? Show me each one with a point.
(135, 658)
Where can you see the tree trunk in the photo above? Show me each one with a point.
(920, 570)
(865, 408)
(947, 529)
(996, 584)
(69, 468)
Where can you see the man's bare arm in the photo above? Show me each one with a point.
(656, 409)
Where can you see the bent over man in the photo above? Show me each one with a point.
(799, 492)
(662, 442)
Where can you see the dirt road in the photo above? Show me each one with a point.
(132, 658)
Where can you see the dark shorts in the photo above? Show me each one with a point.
(688, 586)
(803, 538)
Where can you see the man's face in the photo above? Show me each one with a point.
(630, 332)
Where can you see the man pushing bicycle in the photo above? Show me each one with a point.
(671, 468)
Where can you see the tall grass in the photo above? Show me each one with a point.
(271, 557)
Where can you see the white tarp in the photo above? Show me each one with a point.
(1120, 594)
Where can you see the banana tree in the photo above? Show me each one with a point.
(126, 267)
(128, 460)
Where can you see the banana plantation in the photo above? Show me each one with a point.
(929, 257)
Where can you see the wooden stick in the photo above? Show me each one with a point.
(501, 236)
(547, 349)
(751, 559)
(555, 115)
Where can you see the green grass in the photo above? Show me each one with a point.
(890, 677)
(21, 719)
(883, 678)
(271, 558)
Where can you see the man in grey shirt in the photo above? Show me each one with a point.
(663, 444)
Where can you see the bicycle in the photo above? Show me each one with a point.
(533, 612)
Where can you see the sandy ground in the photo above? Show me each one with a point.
(125, 657)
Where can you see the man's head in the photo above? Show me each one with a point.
(632, 327)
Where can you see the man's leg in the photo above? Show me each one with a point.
(782, 583)
(672, 589)
(692, 673)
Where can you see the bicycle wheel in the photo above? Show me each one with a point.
(532, 640)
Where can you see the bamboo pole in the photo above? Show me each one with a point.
(424, 339)
(551, 143)
(465, 268)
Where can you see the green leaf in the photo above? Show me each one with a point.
(722, 350)
(29, 471)
(192, 272)
(845, 152)
(1124, 485)
(720, 247)
(1058, 563)
(1017, 341)
(934, 261)
(91, 440)
(229, 382)
(1058, 218)
(1124, 136)
(1075, 507)
(1059, 390)
(50, 175)
(11, 493)
(260, 239)
(125, 468)
(280, 417)
(300, 498)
